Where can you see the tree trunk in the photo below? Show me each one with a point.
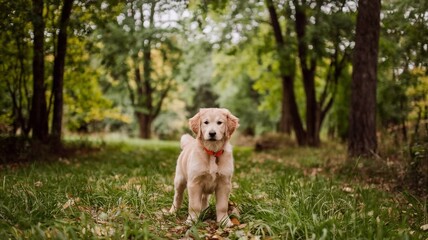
(403, 123)
(285, 123)
(58, 74)
(308, 75)
(289, 105)
(426, 119)
(39, 115)
(144, 94)
(144, 88)
(362, 127)
(312, 116)
(145, 125)
(297, 122)
(147, 87)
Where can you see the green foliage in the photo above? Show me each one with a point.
(15, 65)
(417, 93)
(86, 107)
(255, 58)
(402, 67)
(140, 53)
(84, 102)
(243, 100)
(171, 124)
(392, 112)
(247, 85)
(337, 121)
(418, 163)
(196, 75)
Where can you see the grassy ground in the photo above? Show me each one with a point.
(123, 190)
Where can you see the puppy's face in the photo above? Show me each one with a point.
(213, 124)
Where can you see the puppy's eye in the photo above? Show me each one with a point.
(206, 122)
(219, 123)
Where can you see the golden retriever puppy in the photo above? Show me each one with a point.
(205, 164)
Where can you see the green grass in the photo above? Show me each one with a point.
(123, 190)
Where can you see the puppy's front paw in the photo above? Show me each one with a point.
(189, 221)
(173, 209)
(225, 223)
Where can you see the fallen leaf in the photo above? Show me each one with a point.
(97, 230)
(168, 188)
(216, 237)
(348, 189)
(64, 160)
(70, 202)
(103, 216)
(241, 226)
(240, 234)
(424, 227)
(38, 184)
(235, 221)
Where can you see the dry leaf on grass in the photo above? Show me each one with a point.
(241, 226)
(70, 202)
(347, 189)
(38, 184)
(235, 221)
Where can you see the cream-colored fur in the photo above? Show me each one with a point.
(205, 174)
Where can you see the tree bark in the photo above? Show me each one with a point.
(145, 125)
(39, 115)
(58, 74)
(143, 107)
(285, 122)
(362, 128)
(288, 81)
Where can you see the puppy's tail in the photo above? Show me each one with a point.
(185, 140)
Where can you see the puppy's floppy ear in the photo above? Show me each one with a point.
(232, 123)
(195, 124)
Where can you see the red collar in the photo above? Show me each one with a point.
(215, 154)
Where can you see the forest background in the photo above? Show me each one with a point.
(142, 68)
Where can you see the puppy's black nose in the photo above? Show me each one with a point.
(212, 134)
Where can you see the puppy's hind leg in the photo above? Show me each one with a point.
(179, 186)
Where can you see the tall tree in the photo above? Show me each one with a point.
(319, 47)
(308, 65)
(289, 109)
(362, 127)
(39, 114)
(58, 72)
(15, 66)
(311, 53)
(141, 54)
